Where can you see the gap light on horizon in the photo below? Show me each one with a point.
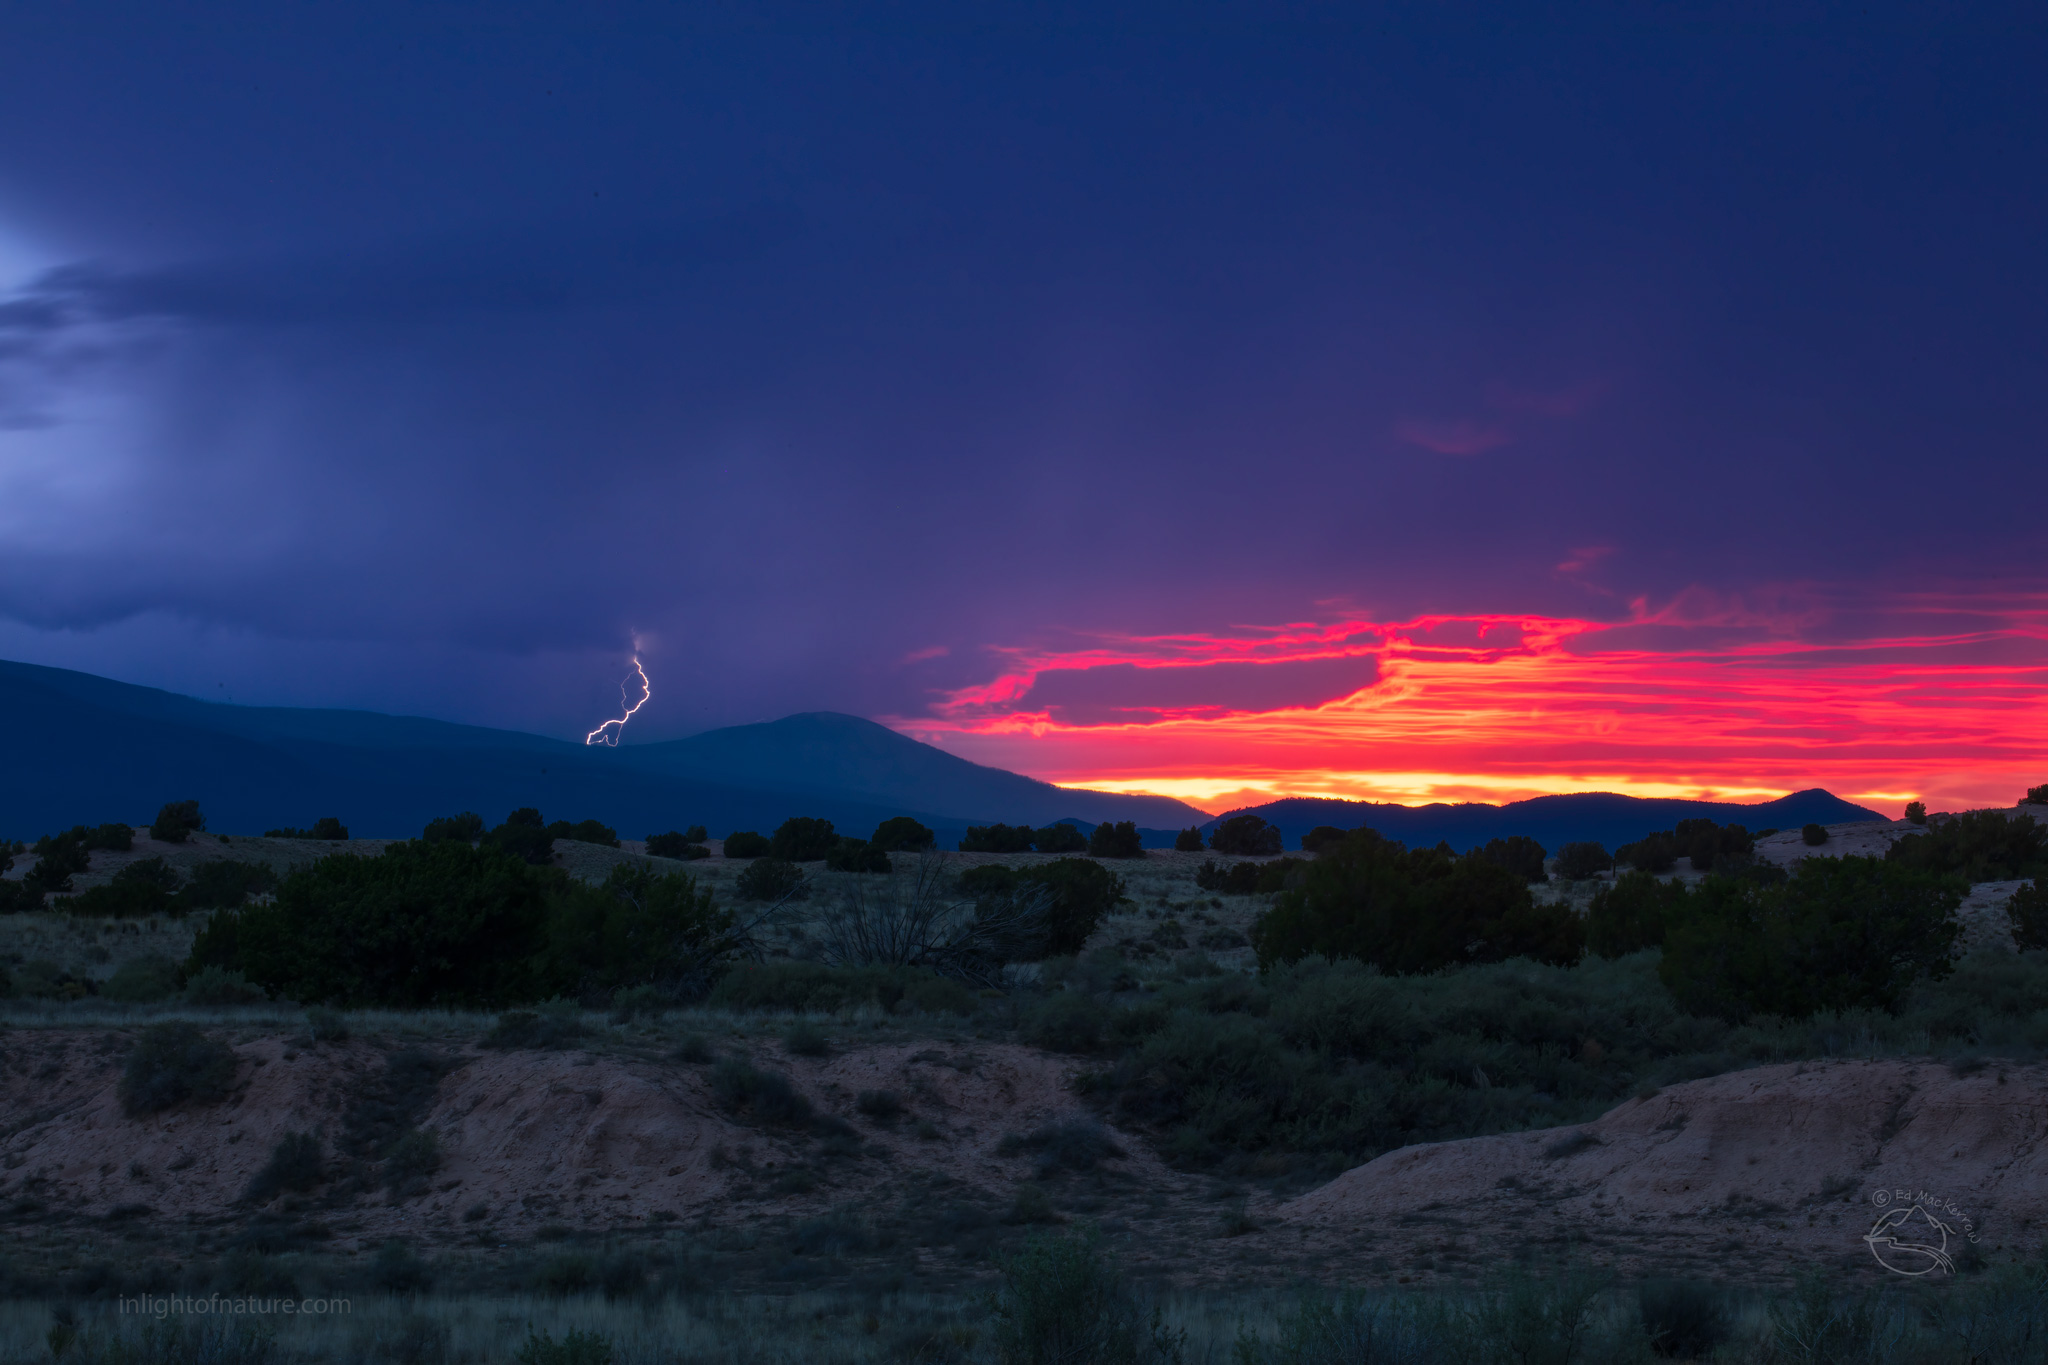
(1927, 697)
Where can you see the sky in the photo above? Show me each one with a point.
(1404, 403)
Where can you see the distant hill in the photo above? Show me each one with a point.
(829, 753)
(86, 749)
(1551, 820)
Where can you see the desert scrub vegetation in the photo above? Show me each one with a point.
(1060, 1297)
(1320, 1064)
(450, 924)
(1703, 843)
(1411, 910)
(817, 988)
(1839, 934)
(1980, 846)
(171, 1063)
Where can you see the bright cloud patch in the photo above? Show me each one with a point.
(1944, 698)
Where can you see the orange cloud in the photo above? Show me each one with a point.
(1936, 696)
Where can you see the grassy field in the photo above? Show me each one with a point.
(1045, 1313)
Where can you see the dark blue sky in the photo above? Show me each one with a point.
(417, 357)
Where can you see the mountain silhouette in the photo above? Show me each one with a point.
(1551, 820)
(86, 749)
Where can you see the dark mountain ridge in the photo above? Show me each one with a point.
(1551, 820)
(84, 749)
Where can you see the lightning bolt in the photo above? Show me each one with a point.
(609, 732)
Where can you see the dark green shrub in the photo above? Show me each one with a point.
(1578, 861)
(901, 834)
(216, 986)
(1060, 838)
(398, 1269)
(224, 883)
(19, 897)
(120, 900)
(1118, 840)
(150, 872)
(75, 845)
(1683, 1319)
(577, 1347)
(1246, 879)
(744, 843)
(677, 845)
(1083, 893)
(172, 1063)
(638, 928)
(768, 1095)
(1702, 841)
(466, 828)
(857, 855)
(803, 839)
(441, 924)
(998, 839)
(1066, 1022)
(42, 979)
(1061, 1300)
(814, 987)
(696, 834)
(1277, 875)
(176, 821)
(1229, 879)
(1373, 899)
(2036, 796)
(1322, 837)
(326, 1026)
(1814, 835)
(1980, 845)
(1519, 854)
(59, 857)
(772, 879)
(2026, 911)
(410, 1160)
(1630, 915)
(585, 832)
(633, 1002)
(1656, 854)
(142, 980)
(296, 1164)
(1916, 812)
(1189, 840)
(1246, 836)
(1841, 934)
(525, 837)
(326, 827)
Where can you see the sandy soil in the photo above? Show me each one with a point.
(1753, 1174)
(537, 1138)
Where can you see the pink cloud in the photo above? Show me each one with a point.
(1459, 436)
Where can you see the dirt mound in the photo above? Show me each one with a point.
(1748, 1173)
(574, 1138)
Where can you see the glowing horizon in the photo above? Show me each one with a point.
(1936, 697)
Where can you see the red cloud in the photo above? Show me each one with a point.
(1935, 696)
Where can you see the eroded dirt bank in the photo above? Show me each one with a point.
(1752, 1174)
